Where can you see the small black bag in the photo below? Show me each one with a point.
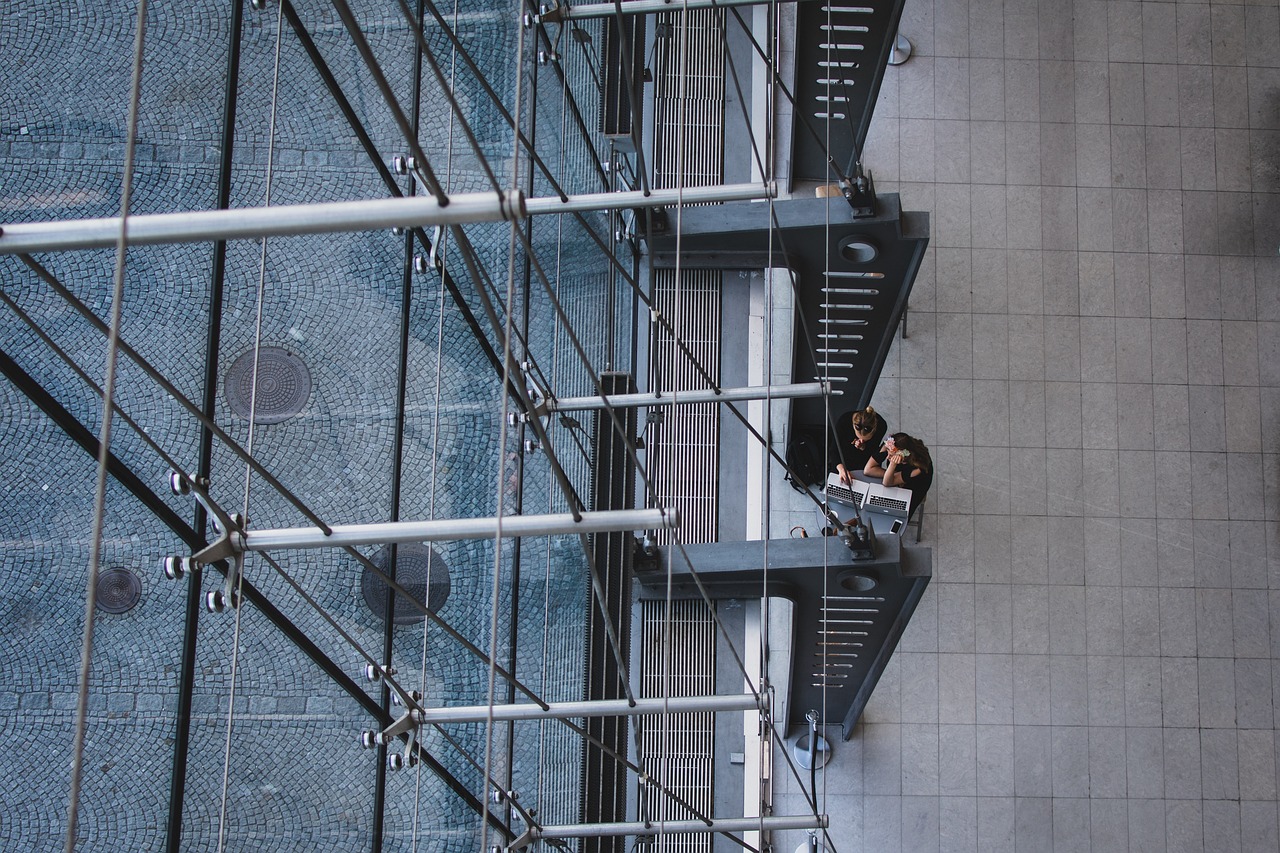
(804, 460)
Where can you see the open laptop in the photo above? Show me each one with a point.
(873, 497)
(852, 494)
(888, 500)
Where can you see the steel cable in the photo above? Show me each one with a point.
(235, 601)
(104, 451)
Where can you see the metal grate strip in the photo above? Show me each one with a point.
(685, 445)
(689, 89)
(678, 749)
(689, 92)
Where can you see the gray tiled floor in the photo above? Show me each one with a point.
(1094, 359)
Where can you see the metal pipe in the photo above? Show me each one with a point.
(257, 222)
(654, 198)
(641, 8)
(459, 528)
(702, 395)
(598, 708)
(731, 824)
(330, 217)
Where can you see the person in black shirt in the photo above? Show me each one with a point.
(905, 464)
(858, 435)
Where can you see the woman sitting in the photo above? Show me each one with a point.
(905, 464)
(857, 436)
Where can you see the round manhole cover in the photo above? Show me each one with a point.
(284, 385)
(118, 591)
(420, 570)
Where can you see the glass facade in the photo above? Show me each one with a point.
(379, 396)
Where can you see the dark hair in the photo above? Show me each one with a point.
(866, 418)
(917, 453)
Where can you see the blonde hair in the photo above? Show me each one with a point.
(865, 418)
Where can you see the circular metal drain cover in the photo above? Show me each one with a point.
(118, 591)
(284, 385)
(413, 561)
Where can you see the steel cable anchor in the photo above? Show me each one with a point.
(228, 548)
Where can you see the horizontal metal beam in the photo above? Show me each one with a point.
(654, 198)
(701, 395)
(671, 827)
(599, 708)
(330, 217)
(641, 7)
(255, 222)
(344, 535)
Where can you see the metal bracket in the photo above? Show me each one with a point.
(537, 400)
(437, 262)
(406, 725)
(860, 192)
(550, 13)
(229, 547)
(407, 722)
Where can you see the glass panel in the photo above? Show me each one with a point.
(312, 332)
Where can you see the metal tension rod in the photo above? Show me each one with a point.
(671, 827)
(330, 217)
(459, 528)
(701, 395)
(599, 708)
(644, 7)
(654, 198)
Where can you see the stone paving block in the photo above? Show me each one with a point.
(35, 701)
(206, 704)
(118, 702)
(150, 702)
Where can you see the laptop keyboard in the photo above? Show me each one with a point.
(887, 503)
(842, 493)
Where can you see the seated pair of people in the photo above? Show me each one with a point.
(899, 459)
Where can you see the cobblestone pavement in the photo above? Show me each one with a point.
(295, 778)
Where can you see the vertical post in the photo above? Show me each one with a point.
(213, 343)
(397, 468)
(604, 793)
(513, 624)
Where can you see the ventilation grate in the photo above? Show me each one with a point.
(678, 749)
(684, 445)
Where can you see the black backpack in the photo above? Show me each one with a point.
(804, 460)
